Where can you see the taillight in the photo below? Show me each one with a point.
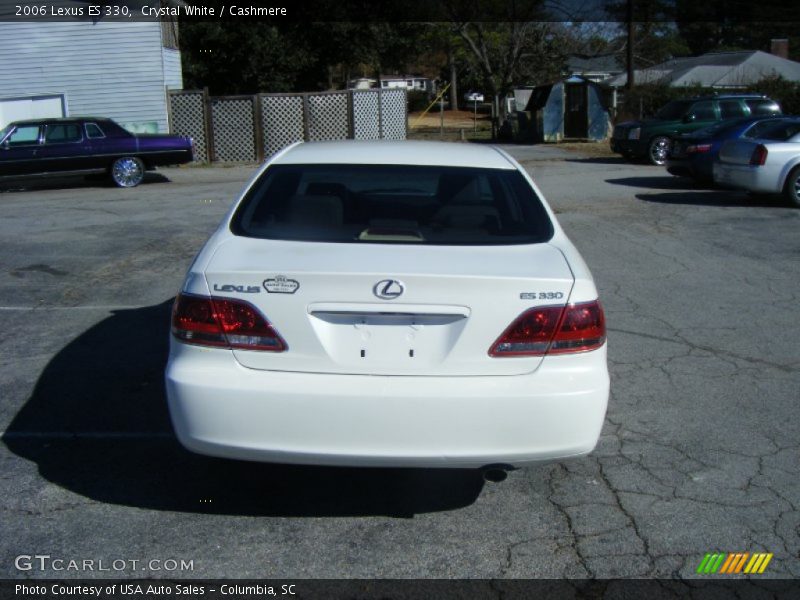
(223, 322)
(759, 156)
(583, 327)
(553, 330)
(698, 148)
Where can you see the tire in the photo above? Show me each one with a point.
(791, 189)
(657, 150)
(127, 171)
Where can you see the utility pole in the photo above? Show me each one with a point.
(629, 18)
(453, 76)
(441, 116)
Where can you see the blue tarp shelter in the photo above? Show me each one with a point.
(573, 108)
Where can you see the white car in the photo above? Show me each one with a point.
(769, 164)
(389, 304)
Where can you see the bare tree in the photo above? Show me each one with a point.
(498, 50)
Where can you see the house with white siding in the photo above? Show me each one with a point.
(118, 69)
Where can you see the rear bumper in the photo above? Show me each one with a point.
(746, 177)
(683, 167)
(222, 409)
(678, 167)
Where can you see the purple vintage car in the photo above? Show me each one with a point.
(85, 146)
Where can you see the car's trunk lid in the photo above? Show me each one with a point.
(738, 152)
(324, 300)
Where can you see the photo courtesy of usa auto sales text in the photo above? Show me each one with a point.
(135, 589)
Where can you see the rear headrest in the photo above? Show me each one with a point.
(315, 211)
(458, 189)
(469, 194)
(324, 188)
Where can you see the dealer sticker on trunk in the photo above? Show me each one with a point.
(280, 284)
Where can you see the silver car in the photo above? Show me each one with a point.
(769, 164)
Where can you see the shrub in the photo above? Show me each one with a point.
(786, 93)
(418, 100)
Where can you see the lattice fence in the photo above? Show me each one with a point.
(251, 128)
(366, 115)
(327, 117)
(233, 123)
(187, 117)
(394, 108)
(281, 121)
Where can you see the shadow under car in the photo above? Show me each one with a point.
(66, 182)
(97, 424)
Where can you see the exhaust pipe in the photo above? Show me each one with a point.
(496, 473)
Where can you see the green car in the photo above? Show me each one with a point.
(652, 138)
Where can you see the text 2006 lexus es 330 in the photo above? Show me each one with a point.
(389, 304)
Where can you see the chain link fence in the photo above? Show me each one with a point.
(252, 128)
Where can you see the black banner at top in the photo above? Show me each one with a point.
(573, 11)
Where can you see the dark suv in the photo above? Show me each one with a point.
(652, 138)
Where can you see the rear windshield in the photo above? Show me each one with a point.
(759, 128)
(781, 131)
(762, 106)
(721, 128)
(392, 204)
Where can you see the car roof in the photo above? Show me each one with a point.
(725, 126)
(396, 152)
(732, 97)
(58, 120)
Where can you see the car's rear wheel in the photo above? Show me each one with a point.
(658, 150)
(127, 171)
(791, 189)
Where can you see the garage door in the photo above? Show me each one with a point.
(31, 107)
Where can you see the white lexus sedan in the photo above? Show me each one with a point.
(409, 304)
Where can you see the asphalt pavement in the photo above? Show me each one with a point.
(699, 452)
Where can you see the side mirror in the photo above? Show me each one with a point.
(689, 118)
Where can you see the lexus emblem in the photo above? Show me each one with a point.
(389, 289)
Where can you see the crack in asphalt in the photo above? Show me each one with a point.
(787, 368)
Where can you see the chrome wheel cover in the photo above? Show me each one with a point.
(127, 172)
(659, 148)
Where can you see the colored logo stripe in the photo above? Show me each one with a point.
(734, 562)
(758, 563)
(710, 563)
